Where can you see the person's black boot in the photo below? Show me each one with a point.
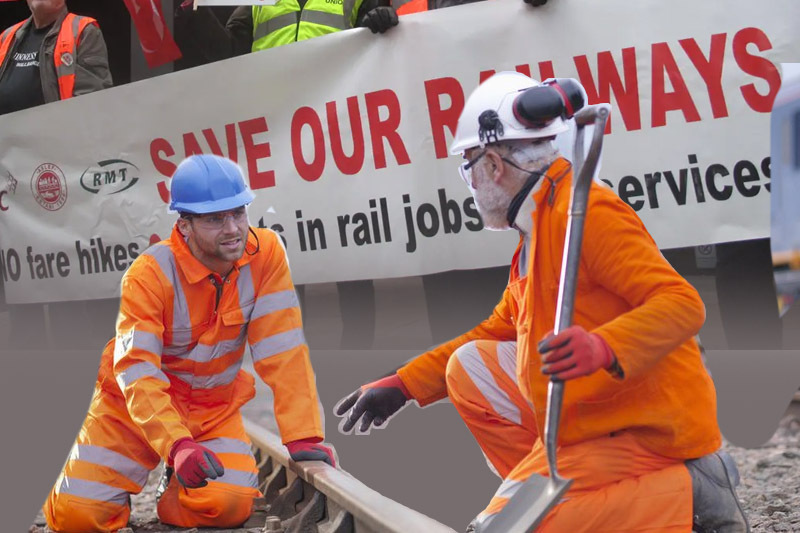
(716, 506)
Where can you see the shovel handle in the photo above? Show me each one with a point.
(589, 114)
(570, 261)
(581, 184)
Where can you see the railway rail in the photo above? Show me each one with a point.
(314, 497)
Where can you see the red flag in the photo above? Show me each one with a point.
(154, 36)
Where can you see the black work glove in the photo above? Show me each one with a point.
(376, 401)
(379, 19)
(535, 3)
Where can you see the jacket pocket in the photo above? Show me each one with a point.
(617, 405)
(237, 317)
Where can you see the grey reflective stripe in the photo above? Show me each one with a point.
(269, 303)
(202, 353)
(473, 365)
(181, 322)
(508, 488)
(227, 445)
(278, 343)
(333, 20)
(92, 490)
(523, 257)
(209, 382)
(123, 343)
(274, 24)
(237, 477)
(177, 351)
(350, 12)
(138, 371)
(148, 341)
(507, 357)
(97, 455)
(68, 70)
(247, 292)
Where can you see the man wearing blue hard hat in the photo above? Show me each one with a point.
(170, 384)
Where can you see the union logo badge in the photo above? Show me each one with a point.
(66, 59)
(49, 186)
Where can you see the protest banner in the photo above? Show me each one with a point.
(344, 140)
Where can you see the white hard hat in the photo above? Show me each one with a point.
(497, 94)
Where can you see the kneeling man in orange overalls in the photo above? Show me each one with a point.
(171, 383)
(638, 434)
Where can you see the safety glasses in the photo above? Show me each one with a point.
(465, 170)
(217, 221)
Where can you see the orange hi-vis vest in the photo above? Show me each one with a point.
(414, 6)
(629, 295)
(65, 51)
(181, 335)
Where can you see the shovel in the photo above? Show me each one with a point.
(539, 494)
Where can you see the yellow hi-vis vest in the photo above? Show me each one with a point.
(286, 22)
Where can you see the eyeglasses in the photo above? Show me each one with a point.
(465, 170)
(217, 221)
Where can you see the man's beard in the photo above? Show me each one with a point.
(492, 202)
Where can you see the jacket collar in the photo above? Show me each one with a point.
(542, 191)
(192, 268)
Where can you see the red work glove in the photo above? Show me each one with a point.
(311, 450)
(574, 353)
(376, 401)
(194, 463)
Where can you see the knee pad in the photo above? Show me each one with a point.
(215, 505)
(69, 514)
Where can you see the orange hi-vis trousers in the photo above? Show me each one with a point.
(618, 485)
(111, 460)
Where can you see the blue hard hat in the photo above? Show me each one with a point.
(208, 183)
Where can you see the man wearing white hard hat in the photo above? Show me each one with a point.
(638, 434)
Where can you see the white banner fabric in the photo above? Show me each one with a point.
(344, 140)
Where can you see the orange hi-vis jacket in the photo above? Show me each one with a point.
(629, 295)
(181, 336)
(65, 52)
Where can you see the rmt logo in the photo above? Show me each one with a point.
(111, 176)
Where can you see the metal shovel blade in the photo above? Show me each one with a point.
(543, 493)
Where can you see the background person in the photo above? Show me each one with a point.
(52, 55)
(254, 28)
